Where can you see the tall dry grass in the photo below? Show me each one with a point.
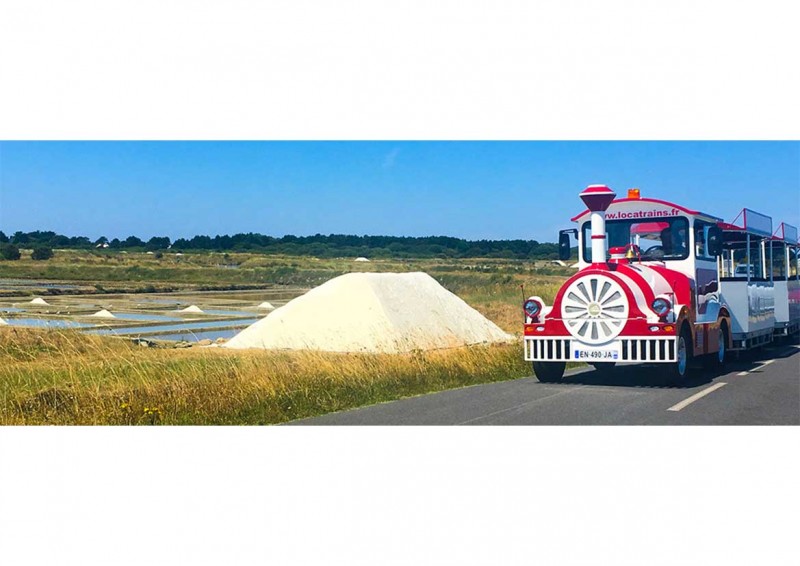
(49, 377)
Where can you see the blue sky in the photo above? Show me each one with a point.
(475, 190)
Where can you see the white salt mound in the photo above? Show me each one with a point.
(3, 322)
(372, 312)
(40, 301)
(361, 259)
(193, 309)
(266, 306)
(103, 314)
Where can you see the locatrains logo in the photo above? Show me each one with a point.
(622, 215)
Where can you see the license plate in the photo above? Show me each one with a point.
(608, 353)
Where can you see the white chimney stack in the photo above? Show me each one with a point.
(597, 199)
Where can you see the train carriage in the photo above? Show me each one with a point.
(657, 283)
(785, 256)
(746, 279)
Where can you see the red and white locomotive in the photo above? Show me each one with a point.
(660, 283)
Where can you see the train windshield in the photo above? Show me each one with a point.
(652, 240)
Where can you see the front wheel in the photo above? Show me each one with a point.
(549, 372)
(678, 370)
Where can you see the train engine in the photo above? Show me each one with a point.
(647, 290)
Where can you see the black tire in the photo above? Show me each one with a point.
(604, 367)
(549, 372)
(677, 372)
(718, 359)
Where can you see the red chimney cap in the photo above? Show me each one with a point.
(597, 198)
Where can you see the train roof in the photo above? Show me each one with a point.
(786, 233)
(749, 222)
(653, 204)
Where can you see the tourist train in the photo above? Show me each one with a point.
(663, 284)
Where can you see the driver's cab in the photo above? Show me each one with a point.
(656, 232)
(664, 240)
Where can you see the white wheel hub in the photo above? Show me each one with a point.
(594, 309)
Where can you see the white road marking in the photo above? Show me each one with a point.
(686, 402)
(758, 367)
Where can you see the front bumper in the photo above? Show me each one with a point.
(632, 349)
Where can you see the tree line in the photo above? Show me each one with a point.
(333, 245)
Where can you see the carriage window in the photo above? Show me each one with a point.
(651, 240)
(779, 261)
(794, 262)
(701, 240)
(738, 260)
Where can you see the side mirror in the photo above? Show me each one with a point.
(564, 245)
(714, 241)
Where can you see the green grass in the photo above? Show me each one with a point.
(72, 378)
(217, 268)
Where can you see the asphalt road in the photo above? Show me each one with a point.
(759, 388)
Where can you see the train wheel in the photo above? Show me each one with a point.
(549, 372)
(677, 371)
(718, 359)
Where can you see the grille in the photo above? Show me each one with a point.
(651, 350)
(547, 349)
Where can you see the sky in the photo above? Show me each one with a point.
(473, 190)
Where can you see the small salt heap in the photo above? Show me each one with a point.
(194, 309)
(103, 314)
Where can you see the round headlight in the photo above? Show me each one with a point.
(661, 306)
(532, 308)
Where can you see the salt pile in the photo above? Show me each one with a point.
(372, 312)
(193, 309)
(361, 259)
(3, 322)
(40, 301)
(265, 306)
(103, 314)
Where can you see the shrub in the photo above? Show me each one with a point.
(41, 253)
(10, 252)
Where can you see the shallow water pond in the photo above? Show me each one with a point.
(15, 284)
(159, 302)
(200, 335)
(229, 313)
(46, 323)
(146, 317)
(170, 328)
